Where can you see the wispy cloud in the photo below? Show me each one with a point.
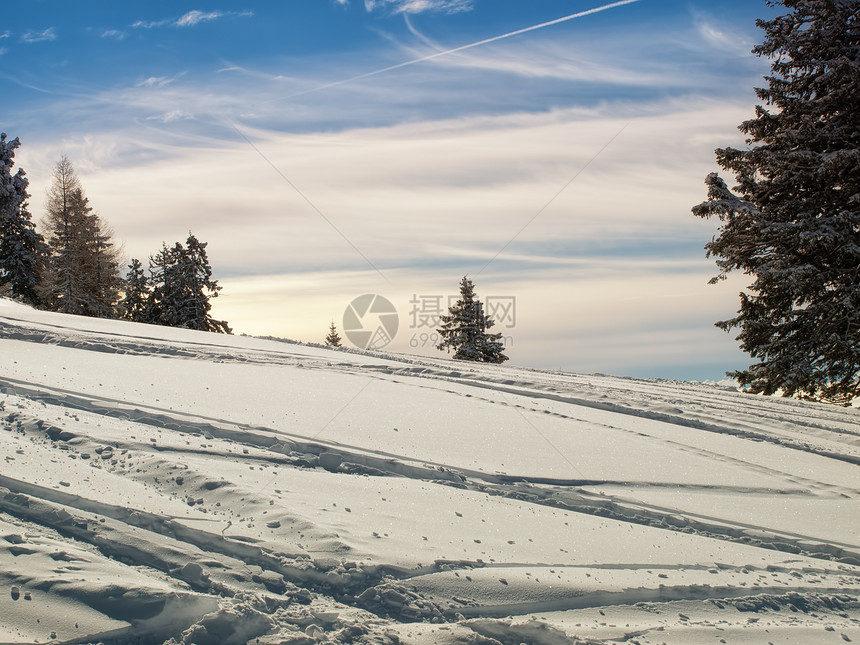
(172, 116)
(5, 34)
(420, 6)
(151, 24)
(114, 34)
(621, 238)
(461, 48)
(191, 19)
(719, 36)
(155, 81)
(551, 58)
(47, 35)
(482, 177)
(196, 17)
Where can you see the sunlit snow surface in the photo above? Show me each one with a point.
(167, 484)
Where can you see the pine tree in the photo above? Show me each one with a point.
(162, 278)
(795, 223)
(65, 224)
(102, 276)
(333, 339)
(136, 287)
(13, 188)
(181, 286)
(197, 287)
(465, 327)
(82, 275)
(22, 251)
(21, 247)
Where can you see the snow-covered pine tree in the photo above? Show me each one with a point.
(465, 327)
(163, 287)
(795, 223)
(22, 251)
(136, 288)
(181, 286)
(198, 287)
(21, 247)
(13, 188)
(333, 339)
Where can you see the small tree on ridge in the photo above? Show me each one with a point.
(465, 327)
(333, 339)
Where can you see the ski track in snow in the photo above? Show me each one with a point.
(162, 484)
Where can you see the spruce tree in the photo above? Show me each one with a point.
(181, 287)
(22, 251)
(465, 327)
(136, 288)
(21, 247)
(333, 339)
(793, 220)
(197, 287)
(13, 187)
(162, 278)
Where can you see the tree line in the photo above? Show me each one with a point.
(73, 266)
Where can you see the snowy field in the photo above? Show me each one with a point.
(168, 485)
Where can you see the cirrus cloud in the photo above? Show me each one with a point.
(191, 19)
(420, 6)
(46, 35)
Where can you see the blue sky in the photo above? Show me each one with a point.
(328, 148)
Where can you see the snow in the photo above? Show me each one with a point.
(185, 487)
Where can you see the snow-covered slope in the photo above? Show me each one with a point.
(165, 484)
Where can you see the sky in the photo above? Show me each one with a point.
(331, 149)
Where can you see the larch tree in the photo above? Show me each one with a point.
(64, 223)
(82, 273)
(103, 279)
(465, 327)
(793, 220)
(22, 249)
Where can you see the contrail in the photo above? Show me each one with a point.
(486, 41)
